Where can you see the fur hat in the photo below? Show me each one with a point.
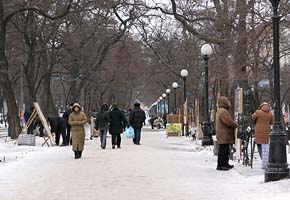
(77, 105)
(264, 104)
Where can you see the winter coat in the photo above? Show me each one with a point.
(66, 115)
(118, 121)
(102, 120)
(225, 125)
(77, 120)
(57, 124)
(137, 118)
(262, 119)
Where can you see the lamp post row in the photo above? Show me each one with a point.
(277, 167)
(206, 52)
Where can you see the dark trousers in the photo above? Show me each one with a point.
(260, 150)
(165, 123)
(41, 133)
(223, 155)
(68, 139)
(103, 138)
(61, 131)
(116, 139)
(137, 133)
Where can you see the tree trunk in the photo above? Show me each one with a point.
(4, 78)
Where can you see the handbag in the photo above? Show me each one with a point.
(129, 132)
(26, 139)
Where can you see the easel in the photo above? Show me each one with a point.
(48, 137)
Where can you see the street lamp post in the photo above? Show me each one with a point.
(277, 168)
(160, 98)
(206, 52)
(157, 108)
(164, 103)
(184, 74)
(175, 86)
(168, 93)
(158, 101)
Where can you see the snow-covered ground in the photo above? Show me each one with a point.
(159, 169)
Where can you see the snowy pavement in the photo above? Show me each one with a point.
(159, 169)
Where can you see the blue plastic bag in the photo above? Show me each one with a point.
(129, 132)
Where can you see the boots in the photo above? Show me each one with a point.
(76, 154)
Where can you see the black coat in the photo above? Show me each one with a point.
(137, 118)
(118, 121)
(102, 120)
(66, 114)
(57, 124)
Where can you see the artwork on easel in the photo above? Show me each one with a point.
(48, 137)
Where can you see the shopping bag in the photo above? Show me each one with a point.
(129, 132)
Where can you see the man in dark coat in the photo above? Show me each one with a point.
(136, 120)
(66, 115)
(102, 124)
(225, 127)
(118, 123)
(58, 127)
(152, 119)
(164, 119)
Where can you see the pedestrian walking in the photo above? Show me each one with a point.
(77, 120)
(263, 119)
(128, 114)
(164, 119)
(225, 127)
(118, 123)
(102, 124)
(136, 120)
(152, 120)
(94, 132)
(66, 115)
(58, 127)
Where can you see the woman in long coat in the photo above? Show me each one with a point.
(225, 127)
(77, 120)
(262, 119)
